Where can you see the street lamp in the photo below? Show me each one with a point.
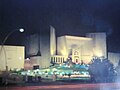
(5, 39)
(20, 30)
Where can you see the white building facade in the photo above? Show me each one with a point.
(82, 48)
(59, 49)
(12, 57)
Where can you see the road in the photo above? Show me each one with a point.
(102, 86)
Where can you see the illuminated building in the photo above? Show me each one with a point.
(11, 57)
(82, 48)
(38, 49)
(43, 48)
(58, 50)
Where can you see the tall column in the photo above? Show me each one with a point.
(52, 41)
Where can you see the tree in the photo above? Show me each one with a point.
(101, 70)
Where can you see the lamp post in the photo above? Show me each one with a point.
(5, 39)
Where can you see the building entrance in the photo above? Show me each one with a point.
(35, 67)
(76, 56)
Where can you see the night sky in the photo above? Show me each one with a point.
(71, 17)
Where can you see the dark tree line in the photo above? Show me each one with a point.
(102, 70)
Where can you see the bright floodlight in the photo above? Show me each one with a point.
(21, 30)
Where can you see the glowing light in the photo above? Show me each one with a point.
(29, 71)
(21, 30)
(54, 69)
(28, 59)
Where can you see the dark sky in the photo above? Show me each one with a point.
(72, 17)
